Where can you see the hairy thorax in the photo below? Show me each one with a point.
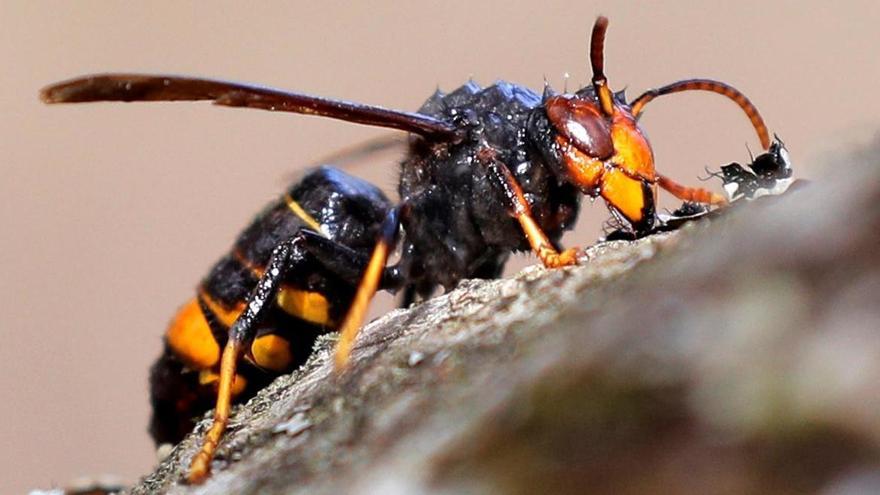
(463, 228)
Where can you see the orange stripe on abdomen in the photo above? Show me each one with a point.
(303, 214)
(190, 338)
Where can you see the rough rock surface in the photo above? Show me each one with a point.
(739, 355)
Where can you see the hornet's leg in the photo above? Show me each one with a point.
(242, 331)
(518, 208)
(416, 292)
(338, 258)
(409, 296)
(693, 194)
(347, 263)
(366, 288)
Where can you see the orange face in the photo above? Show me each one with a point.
(605, 155)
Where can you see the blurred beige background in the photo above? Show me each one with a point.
(111, 213)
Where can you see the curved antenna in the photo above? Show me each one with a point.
(597, 62)
(714, 87)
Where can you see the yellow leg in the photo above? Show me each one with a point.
(519, 209)
(355, 317)
(542, 246)
(366, 289)
(201, 463)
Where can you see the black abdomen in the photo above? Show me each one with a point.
(311, 301)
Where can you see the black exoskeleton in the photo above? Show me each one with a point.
(457, 223)
(490, 171)
(328, 223)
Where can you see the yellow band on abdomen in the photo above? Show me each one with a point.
(303, 214)
(310, 306)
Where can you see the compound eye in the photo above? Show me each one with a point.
(583, 124)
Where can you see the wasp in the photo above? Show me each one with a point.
(489, 171)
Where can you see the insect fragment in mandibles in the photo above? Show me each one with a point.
(489, 171)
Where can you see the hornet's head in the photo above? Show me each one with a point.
(593, 140)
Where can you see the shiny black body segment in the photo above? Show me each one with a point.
(329, 262)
